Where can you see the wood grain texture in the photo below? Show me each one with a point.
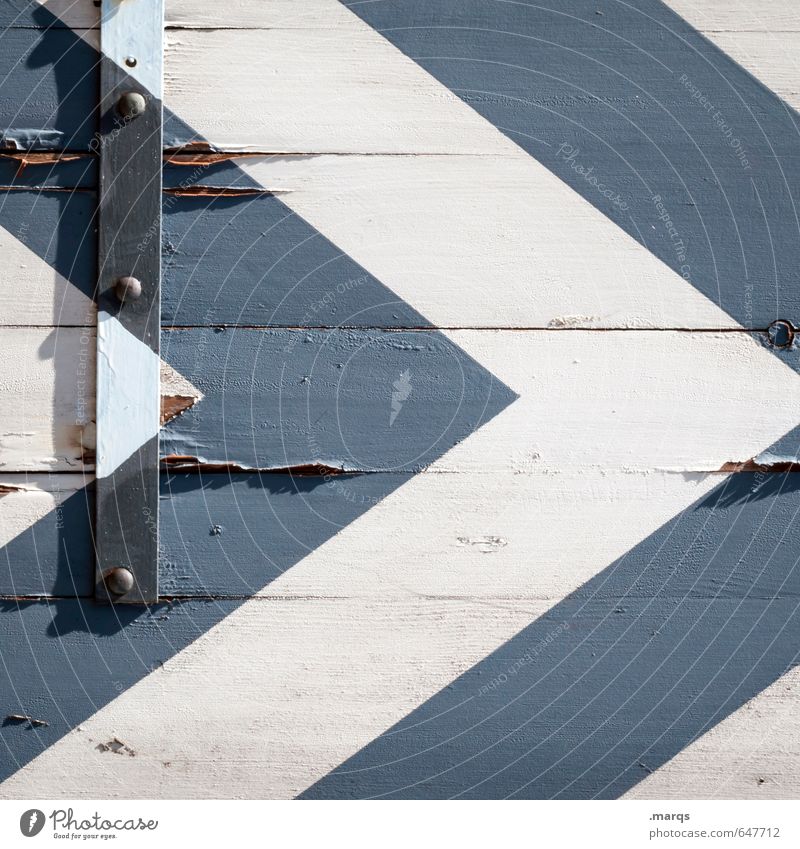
(706, 15)
(362, 661)
(279, 398)
(373, 629)
(234, 535)
(501, 231)
(319, 697)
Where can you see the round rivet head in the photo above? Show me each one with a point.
(119, 580)
(131, 104)
(781, 333)
(128, 289)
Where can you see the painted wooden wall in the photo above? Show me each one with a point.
(479, 460)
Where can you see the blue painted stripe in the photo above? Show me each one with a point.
(276, 398)
(48, 88)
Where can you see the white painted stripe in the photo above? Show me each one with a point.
(485, 241)
(133, 30)
(367, 98)
(623, 400)
(735, 15)
(128, 402)
(47, 379)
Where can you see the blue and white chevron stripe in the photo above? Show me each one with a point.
(479, 318)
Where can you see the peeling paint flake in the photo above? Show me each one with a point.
(26, 139)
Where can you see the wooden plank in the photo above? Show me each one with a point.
(706, 15)
(383, 249)
(233, 535)
(654, 399)
(611, 399)
(491, 535)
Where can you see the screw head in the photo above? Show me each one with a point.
(128, 289)
(781, 333)
(119, 580)
(131, 104)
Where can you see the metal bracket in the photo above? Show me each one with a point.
(129, 301)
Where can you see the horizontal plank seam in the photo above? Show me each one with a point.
(753, 331)
(167, 599)
(780, 468)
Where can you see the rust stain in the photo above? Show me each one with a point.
(186, 462)
(199, 158)
(215, 191)
(173, 405)
(781, 467)
(16, 718)
(195, 146)
(25, 159)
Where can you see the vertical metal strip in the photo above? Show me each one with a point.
(129, 300)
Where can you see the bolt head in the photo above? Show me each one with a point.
(131, 105)
(119, 580)
(781, 333)
(128, 289)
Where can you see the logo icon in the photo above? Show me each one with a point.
(401, 390)
(31, 822)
